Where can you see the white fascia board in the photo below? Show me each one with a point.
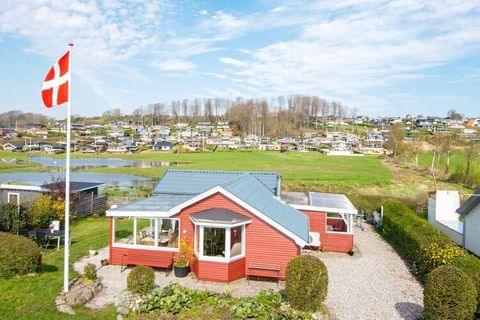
(137, 214)
(22, 187)
(219, 225)
(324, 209)
(299, 241)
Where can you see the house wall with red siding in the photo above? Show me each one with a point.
(331, 241)
(264, 244)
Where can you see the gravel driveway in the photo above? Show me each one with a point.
(373, 284)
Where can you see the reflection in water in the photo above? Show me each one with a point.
(79, 164)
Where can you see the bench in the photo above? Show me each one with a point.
(260, 270)
(134, 257)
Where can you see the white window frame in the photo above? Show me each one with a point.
(16, 194)
(200, 238)
(347, 218)
(155, 247)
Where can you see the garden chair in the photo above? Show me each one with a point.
(42, 239)
(23, 232)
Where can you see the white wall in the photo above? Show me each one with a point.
(472, 231)
(442, 215)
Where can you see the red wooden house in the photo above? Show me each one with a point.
(239, 224)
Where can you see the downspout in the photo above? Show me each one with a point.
(279, 185)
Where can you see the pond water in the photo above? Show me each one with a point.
(79, 164)
(113, 180)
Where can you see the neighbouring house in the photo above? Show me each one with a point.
(470, 211)
(11, 147)
(238, 223)
(84, 195)
(162, 146)
(445, 212)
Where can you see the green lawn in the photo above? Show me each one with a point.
(33, 297)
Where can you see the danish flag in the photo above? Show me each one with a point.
(55, 85)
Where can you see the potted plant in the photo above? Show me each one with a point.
(185, 255)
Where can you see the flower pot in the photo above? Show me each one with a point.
(181, 272)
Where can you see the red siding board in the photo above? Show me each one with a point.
(264, 244)
(336, 242)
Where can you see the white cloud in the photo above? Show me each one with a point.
(174, 65)
(278, 9)
(354, 47)
(203, 12)
(233, 62)
(216, 75)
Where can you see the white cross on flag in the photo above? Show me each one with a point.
(55, 85)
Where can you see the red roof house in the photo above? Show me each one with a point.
(239, 224)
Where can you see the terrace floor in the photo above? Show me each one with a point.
(115, 282)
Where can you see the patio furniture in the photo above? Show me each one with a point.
(263, 270)
(358, 218)
(41, 238)
(135, 257)
(23, 232)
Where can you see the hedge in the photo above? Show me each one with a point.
(449, 294)
(423, 246)
(18, 255)
(418, 242)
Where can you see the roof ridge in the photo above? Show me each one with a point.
(232, 172)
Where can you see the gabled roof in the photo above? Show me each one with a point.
(470, 204)
(198, 181)
(253, 190)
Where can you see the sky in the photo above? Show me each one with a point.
(381, 57)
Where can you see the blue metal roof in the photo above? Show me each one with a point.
(156, 203)
(198, 181)
(250, 190)
(257, 189)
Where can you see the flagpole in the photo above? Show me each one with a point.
(67, 179)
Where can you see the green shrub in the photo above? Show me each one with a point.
(12, 217)
(18, 255)
(471, 266)
(449, 294)
(174, 298)
(141, 280)
(306, 283)
(422, 245)
(90, 272)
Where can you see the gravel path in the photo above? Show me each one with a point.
(373, 284)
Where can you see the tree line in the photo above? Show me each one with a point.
(19, 119)
(276, 116)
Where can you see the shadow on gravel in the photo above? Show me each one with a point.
(409, 310)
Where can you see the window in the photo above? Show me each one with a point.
(13, 198)
(337, 223)
(214, 242)
(160, 233)
(145, 232)
(236, 241)
(168, 233)
(219, 243)
(123, 230)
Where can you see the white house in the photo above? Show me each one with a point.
(444, 212)
(470, 211)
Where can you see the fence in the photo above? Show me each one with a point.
(90, 204)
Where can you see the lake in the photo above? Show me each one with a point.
(79, 164)
(114, 180)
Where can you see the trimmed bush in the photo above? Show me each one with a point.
(18, 255)
(306, 283)
(421, 244)
(141, 280)
(90, 272)
(471, 266)
(449, 294)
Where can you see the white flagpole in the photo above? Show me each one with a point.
(67, 179)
